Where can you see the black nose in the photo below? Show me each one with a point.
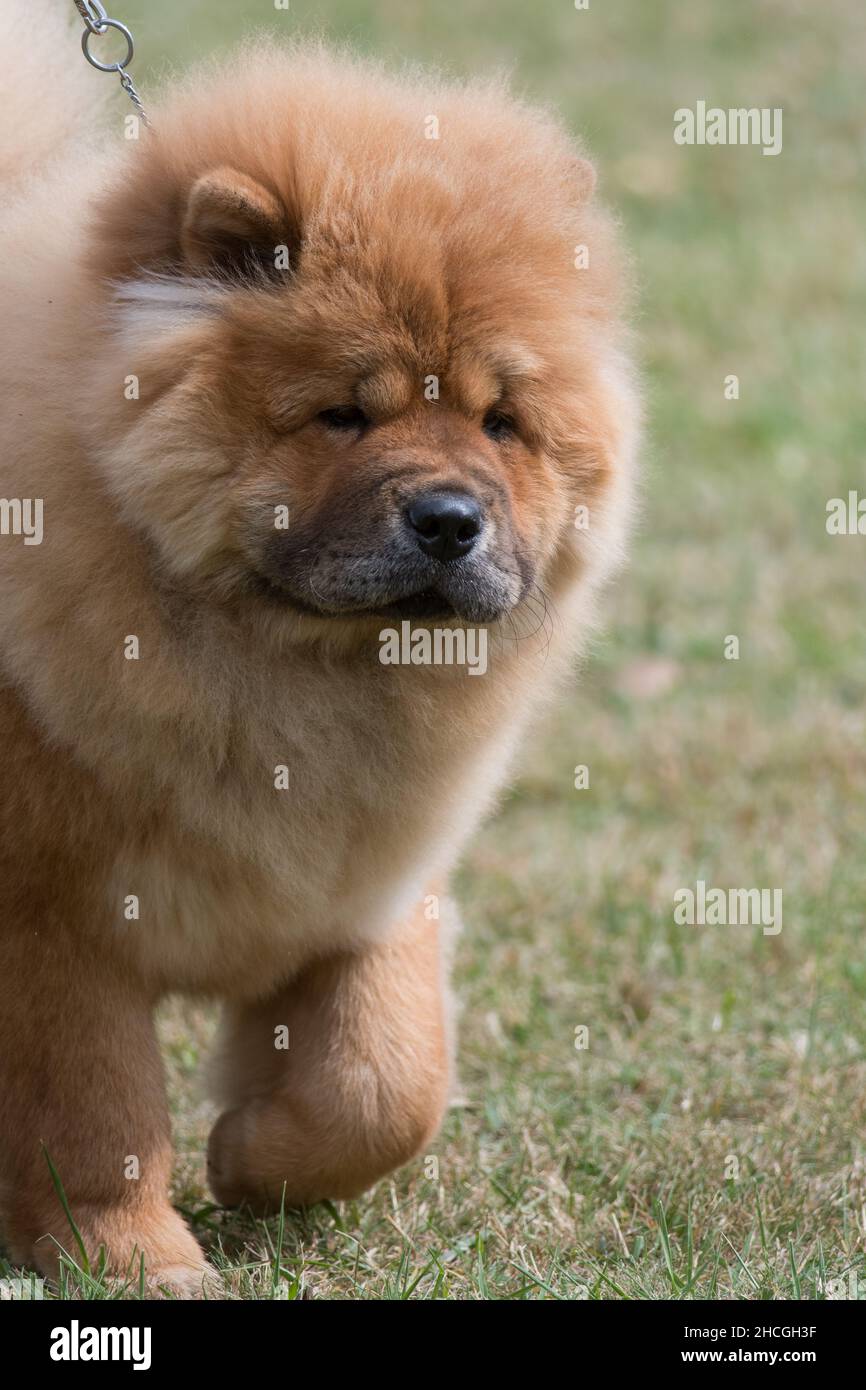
(446, 524)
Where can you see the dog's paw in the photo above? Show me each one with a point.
(228, 1173)
(129, 1246)
(183, 1282)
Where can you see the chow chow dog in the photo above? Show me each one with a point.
(328, 354)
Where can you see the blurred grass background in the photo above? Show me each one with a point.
(608, 1172)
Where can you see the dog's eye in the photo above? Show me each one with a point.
(344, 417)
(498, 425)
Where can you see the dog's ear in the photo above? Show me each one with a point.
(232, 224)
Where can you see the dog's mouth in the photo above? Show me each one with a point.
(382, 586)
(426, 603)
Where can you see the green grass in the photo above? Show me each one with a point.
(709, 1143)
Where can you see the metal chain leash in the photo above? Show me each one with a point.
(96, 21)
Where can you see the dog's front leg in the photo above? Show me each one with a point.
(81, 1084)
(339, 1078)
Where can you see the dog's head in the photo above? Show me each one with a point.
(370, 333)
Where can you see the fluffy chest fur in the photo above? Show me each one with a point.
(328, 817)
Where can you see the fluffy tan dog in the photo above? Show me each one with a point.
(318, 358)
